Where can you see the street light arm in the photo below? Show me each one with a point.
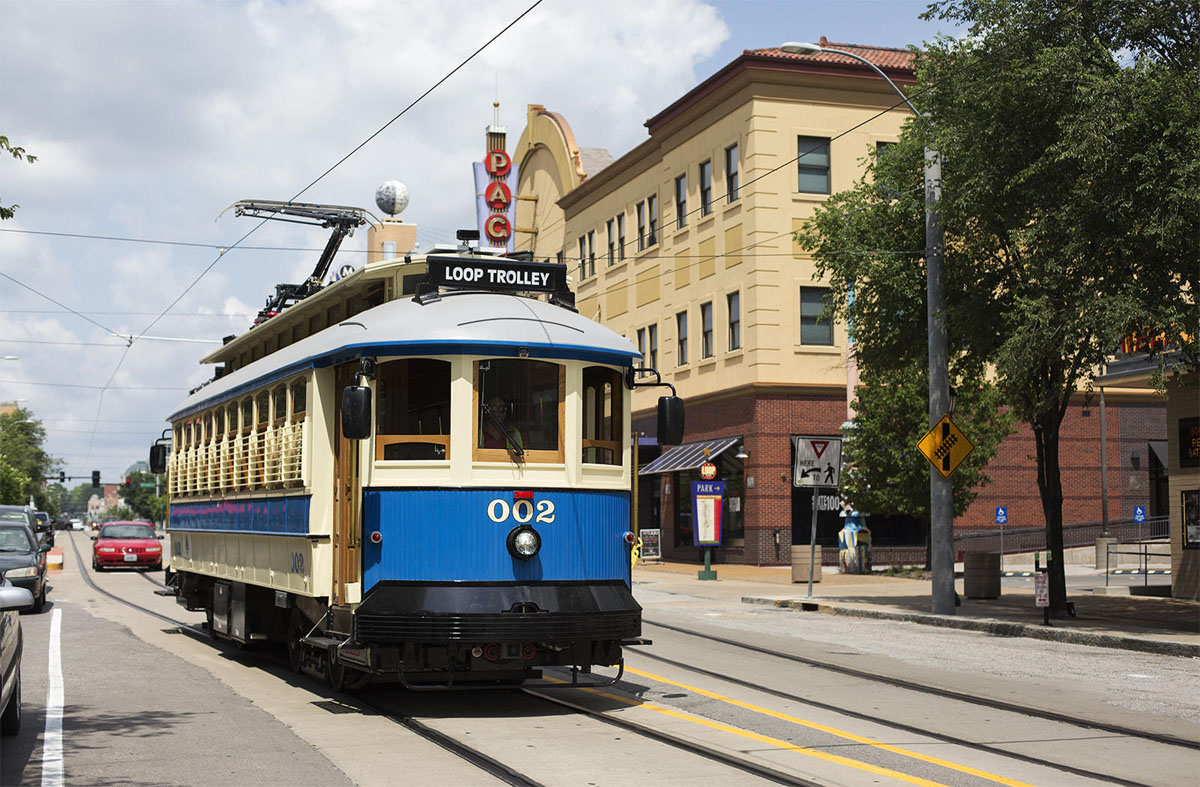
(814, 48)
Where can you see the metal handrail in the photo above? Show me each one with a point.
(1143, 553)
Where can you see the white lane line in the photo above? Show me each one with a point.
(52, 755)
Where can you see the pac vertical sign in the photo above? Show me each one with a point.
(706, 511)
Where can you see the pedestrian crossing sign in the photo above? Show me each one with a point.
(945, 446)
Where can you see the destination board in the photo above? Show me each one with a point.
(497, 275)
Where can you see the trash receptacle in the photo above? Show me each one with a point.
(981, 575)
(800, 564)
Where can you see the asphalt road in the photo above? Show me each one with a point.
(144, 703)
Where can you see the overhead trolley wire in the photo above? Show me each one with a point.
(224, 250)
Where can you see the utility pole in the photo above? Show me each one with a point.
(941, 498)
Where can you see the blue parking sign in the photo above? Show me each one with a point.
(1001, 515)
(1139, 513)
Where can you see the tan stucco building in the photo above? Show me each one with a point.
(684, 244)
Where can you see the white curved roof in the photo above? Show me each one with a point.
(458, 324)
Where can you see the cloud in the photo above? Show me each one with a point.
(150, 118)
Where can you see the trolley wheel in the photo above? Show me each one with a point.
(295, 648)
(343, 678)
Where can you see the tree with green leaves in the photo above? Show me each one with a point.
(1067, 133)
(22, 438)
(6, 212)
(13, 484)
(138, 492)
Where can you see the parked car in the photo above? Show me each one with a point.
(43, 527)
(131, 544)
(77, 524)
(12, 600)
(22, 559)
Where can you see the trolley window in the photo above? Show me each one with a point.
(602, 436)
(519, 405)
(299, 394)
(220, 423)
(279, 405)
(413, 410)
(247, 414)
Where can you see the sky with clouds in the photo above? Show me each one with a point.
(150, 117)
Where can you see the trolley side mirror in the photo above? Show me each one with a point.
(158, 459)
(356, 412)
(670, 420)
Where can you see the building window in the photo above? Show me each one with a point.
(641, 341)
(641, 214)
(706, 330)
(731, 173)
(561, 257)
(389, 249)
(583, 256)
(813, 165)
(733, 302)
(681, 199)
(814, 330)
(620, 236)
(612, 241)
(652, 338)
(591, 253)
(706, 188)
(652, 212)
(681, 332)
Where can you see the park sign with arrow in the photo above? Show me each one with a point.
(818, 461)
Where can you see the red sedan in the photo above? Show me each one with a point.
(131, 544)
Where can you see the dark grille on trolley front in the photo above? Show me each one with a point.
(496, 628)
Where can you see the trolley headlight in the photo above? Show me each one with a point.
(523, 542)
(15, 573)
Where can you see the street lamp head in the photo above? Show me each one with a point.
(801, 48)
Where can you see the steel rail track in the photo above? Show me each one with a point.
(477, 758)
(896, 724)
(1170, 740)
(770, 774)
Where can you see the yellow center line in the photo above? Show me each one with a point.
(754, 736)
(836, 732)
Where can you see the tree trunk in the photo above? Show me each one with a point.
(1046, 434)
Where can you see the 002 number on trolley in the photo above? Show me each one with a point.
(521, 510)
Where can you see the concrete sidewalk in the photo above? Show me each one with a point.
(1143, 623)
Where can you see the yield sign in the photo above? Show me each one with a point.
(818, 461)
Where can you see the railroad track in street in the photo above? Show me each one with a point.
(477, 758)
(900, 726)
(484, 762)
(1026, 710)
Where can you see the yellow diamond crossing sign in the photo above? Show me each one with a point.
(945, 446)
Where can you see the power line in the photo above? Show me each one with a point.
(80, 315)
(221, 247)
(339, 162)
(106, 386)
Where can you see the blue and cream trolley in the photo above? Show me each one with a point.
(421, 472)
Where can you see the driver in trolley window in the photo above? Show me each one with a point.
(497, 431)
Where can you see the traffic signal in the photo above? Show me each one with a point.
(128, 481)
(62, 477)
(95, 478)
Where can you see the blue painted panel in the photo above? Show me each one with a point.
(259, 515)
(447, 535)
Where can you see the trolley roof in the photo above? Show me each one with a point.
(467, 323)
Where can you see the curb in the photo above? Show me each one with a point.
(995, 627)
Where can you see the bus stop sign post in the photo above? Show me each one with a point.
(706, 512)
